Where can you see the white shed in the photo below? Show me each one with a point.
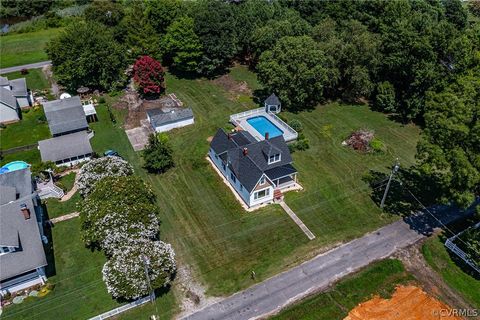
(162, 121)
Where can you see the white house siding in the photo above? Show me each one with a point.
(7, 114)
(268, 198)
(23, 102)
(178, 124)
(226, 173)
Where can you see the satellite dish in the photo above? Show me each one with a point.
(65, 95)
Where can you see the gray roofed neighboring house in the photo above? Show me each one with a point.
(20, 180)
(7, 194)
(3, 81)
(19, 87)
(65, 147)
(164, 120)
(7, 98)
(24, 235)
(65, 115)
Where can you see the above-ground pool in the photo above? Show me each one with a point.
(263, 125)
(15, 165)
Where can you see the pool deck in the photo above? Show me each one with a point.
(240, 120)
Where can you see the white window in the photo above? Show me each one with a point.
(262, 180)
(5, 250)
(261, 194)
(241, 188)
(223, 166)
(274, 158)
(232, 176)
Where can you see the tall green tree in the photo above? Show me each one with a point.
(161, 13)
(86, 54)
(215, 26)
(297, 71)
(182, 46)
(158, 155)
(106, 12)
(449, 151)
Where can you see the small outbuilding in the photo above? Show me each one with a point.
(272, 104)
(66, 150)
(165, 120)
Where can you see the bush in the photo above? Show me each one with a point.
(300, 145)
(158, 154)
(149, 75)
(101, 100)
(97, 169)
(24, 71)
(377, 145)
(124, 274)
(296, 125)
(119, 210)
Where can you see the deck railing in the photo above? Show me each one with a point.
(459, 252)
(284, 124)
(236, 116)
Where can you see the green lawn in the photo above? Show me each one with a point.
(67, 181)
(438, 257)
(26, 131)
(35, 78)
(57, 208)
(379, 278)
(24, 48)
(79, 290)
(30, 156)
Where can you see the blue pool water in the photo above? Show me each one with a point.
(15, 165)
(263, 125)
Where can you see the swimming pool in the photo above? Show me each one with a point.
(14, 165)
(263, 125)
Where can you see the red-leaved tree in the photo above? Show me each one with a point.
(149, 75)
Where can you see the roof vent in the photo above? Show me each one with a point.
(267, 135)
(25, 211)
(245, 151)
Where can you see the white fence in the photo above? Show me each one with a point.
(122, 309)
(459, 252)
(241, 115)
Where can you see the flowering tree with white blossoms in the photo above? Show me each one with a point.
(124, 274)
(118, 210)
(97, 169)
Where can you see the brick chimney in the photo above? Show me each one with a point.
(229, 136)
(25, 211)
(245, 151)
(267, 135)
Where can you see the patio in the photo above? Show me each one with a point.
(240, 120)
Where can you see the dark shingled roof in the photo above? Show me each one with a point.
(250, 167)
(272, 100)
(65, 147)
(65, 115)
(159, 118)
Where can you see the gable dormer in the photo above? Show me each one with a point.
(275, 157)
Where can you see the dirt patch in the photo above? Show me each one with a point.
(233, 87)
(432, 282)
(192, 292)
(406, 303)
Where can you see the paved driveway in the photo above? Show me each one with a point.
(318, 273)
(35, 65)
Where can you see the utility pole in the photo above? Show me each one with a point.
(394, 170)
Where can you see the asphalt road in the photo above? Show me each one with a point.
(318, 273)
(35, 65)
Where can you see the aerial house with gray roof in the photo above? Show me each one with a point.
(66, 150)
(163, 120)
(65, 116)
(14, 95)
(22, 255)
(258, 170)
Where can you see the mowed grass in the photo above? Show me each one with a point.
(380, 278)
(29, 130)
(24, 48)
(30, 156)
(35, 78)
(440, 259)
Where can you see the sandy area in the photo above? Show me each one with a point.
(407, 303)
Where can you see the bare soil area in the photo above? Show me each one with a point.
(233, 87)
(406, 303)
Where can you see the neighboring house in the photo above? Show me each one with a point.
(162, 121)
(65, 116)
(257, 170)
(9, 109)
(66, 150)
(22, 255)
(18, 88)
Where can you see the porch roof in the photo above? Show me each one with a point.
(279, 172)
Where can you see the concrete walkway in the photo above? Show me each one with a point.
(65, 217)
(297, 220)
(35, 65)
(273, 294)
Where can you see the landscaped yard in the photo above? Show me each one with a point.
(440, 259)
(30, 156)
(379, 278)
(32, 128)
(79, 291)
(24, 48)
(35, 78)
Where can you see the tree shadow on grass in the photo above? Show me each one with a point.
(50, 269)
(457, 260)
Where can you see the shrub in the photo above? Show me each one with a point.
(24, 71)
(100, 168)
(296, 125)
(158, 154)
(101, 100)
(377, 145)
(118, 211)
(149, 75)
(124, 274)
